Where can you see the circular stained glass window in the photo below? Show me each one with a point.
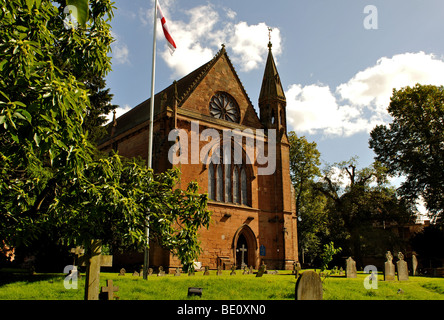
(222, 106)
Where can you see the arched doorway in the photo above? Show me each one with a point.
(245, 247)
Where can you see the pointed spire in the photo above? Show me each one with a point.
(271, 83)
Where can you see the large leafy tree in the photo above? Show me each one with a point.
(413, 144)
(50, 176)
(304, 169)
(359, 199)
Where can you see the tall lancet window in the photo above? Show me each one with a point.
(244, 196)
(236, 197)
(220, 184)
(228, 183)
(211, 182)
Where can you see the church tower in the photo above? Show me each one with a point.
(273, 116)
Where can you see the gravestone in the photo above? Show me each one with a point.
(135, 274)
(77, 261)
(233, 270)
(150, 272)
(161, 272)
(243, 250)
(122, 272)
(93, 261)
(389, 267)
(261, 271)
(219, 270)
(341, 271)
(403, 269)
(207, 271)
(250, 271)
(296, 268)
(414, 264)
(309, 286)
(109, 289)
(350, 270)
(177, 274)
(245, 270)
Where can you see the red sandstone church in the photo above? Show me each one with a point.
(253, 220)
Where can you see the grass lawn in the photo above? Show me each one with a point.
(225, 287)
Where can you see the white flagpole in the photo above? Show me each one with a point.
(150, 135)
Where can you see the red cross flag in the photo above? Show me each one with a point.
(166, 32)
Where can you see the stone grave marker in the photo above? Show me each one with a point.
(245, 270)
(309, 286)
(110, 289)
(414, 264)
(403, 269)
(207, 271)
(341, 271)
(250, 271)
(261, 271)
(350, 270)
(296, 269)
(389, 267)
(233, 270)
(161, 272)
(135, 274)
(93, 261)
(219, 270)
(243, 250)
(177, 274)
(122, 272)
(150, 272)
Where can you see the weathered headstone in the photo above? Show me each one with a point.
(341, 271)
(110, 289)
(243, 250)
(150, 272)
(233, 270)
(245, 270)
(403, 269)
(261, 271)
(296, 268)
(177, 274)
(250, 271)
(389, 267)
(135, 274)
(207, 271)
(414, 264)
(219, 270)
(122, 272)
(93, 262)
(350, 270)
(309, 286)
(161, 272)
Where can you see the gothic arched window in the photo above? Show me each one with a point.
(236, 198)
(223, 106)
(244, 191)
(211, 182)
(220, 184)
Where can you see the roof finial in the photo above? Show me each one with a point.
(269, 37)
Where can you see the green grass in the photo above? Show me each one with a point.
(225, 287)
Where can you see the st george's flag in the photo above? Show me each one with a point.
(166, 32)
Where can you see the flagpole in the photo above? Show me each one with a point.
(150, 138)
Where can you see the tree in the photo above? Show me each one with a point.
(304, 168)
(51, 177)
(413, 144)
(357, 200)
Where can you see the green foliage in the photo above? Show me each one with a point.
(413, 144)
(51, 178)
(328, 253)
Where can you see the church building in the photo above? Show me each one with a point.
(253, 213)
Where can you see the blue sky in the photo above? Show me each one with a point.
(338, 62)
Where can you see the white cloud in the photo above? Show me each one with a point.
(201, 36)
(120, 52)
(361, 103)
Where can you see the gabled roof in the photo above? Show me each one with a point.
(179, 90)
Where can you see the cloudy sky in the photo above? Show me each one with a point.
(338, 59)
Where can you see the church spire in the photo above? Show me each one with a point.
(271, 83)
(272, 101)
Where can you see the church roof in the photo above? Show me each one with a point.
(271, 83)
(179, 90)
